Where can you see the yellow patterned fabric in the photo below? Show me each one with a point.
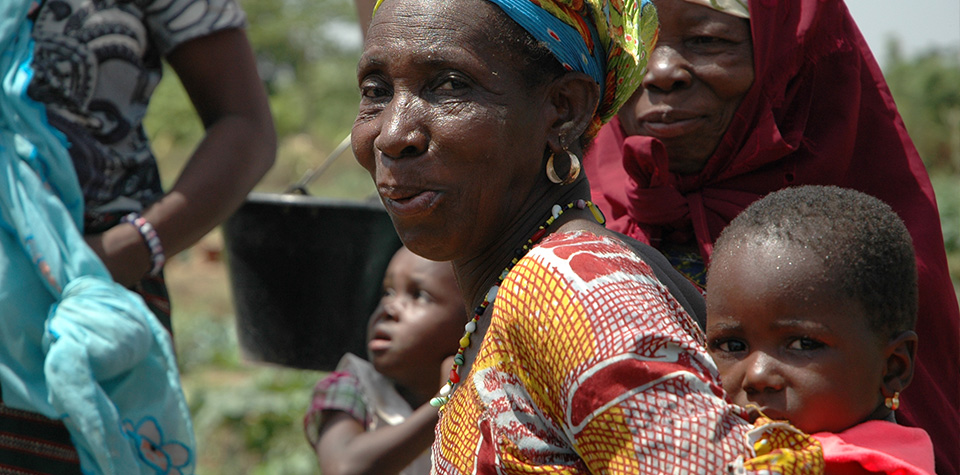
(782, 448)
(588, 366)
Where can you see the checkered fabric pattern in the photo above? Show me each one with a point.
(589, 366)
(339, 391)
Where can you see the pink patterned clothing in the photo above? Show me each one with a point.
(358, 390)
(589, 366)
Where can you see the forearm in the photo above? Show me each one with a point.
(384, 451)
(239, 146)
(234, 156)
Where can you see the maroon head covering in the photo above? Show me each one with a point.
(819, 112)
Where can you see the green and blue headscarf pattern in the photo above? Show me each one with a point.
(609, 40)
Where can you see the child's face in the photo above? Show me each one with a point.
(419, 321)
(785, 341)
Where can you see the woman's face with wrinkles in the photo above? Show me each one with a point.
(447, 128)
(698, 72)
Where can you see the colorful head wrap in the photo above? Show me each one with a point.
(609, 40)
(736, 8)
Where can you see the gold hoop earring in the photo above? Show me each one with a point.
(572, 174)
(893, 403)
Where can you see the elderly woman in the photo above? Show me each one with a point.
(740, 103)
(578, 358)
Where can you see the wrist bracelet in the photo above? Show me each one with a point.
(152, 240)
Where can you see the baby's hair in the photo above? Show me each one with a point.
(864, 247)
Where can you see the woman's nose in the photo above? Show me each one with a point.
(667, 70)
(762, 373)
(402, 134)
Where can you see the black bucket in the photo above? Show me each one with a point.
(306, 273)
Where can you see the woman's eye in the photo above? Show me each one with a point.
(805, 343)
(451, 83)
(710, 44)
(373, 90)
(706, 40)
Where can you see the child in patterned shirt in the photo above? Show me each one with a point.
(374, 416)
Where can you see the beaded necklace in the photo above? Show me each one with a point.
(447, 390)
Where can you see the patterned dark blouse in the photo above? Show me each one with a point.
(97, 63)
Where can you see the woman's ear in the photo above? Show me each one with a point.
(574, 97)
(898, 368)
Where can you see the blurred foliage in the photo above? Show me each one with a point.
(926, 88)
(947, 189)
(251, 421)
(306, 53)
(248, 418)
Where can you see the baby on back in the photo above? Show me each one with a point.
(373, 416)
(811, 305)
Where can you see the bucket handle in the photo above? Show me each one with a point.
(301, 185)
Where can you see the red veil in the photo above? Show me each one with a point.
(819, 112)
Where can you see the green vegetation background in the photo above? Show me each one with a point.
(248, 416)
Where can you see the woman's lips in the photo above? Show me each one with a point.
(408, 203)
(670, 130)
(667, 124)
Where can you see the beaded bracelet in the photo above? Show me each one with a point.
(152, 240)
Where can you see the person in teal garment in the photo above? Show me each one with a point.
(88, 376)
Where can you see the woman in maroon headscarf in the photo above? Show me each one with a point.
(737, 104)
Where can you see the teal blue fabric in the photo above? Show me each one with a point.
(564, 41)
(74, 345)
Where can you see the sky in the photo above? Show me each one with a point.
(919, 24)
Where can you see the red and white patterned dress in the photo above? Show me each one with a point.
(589, 366)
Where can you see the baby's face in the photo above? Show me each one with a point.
(420, 318)
(785, 341)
